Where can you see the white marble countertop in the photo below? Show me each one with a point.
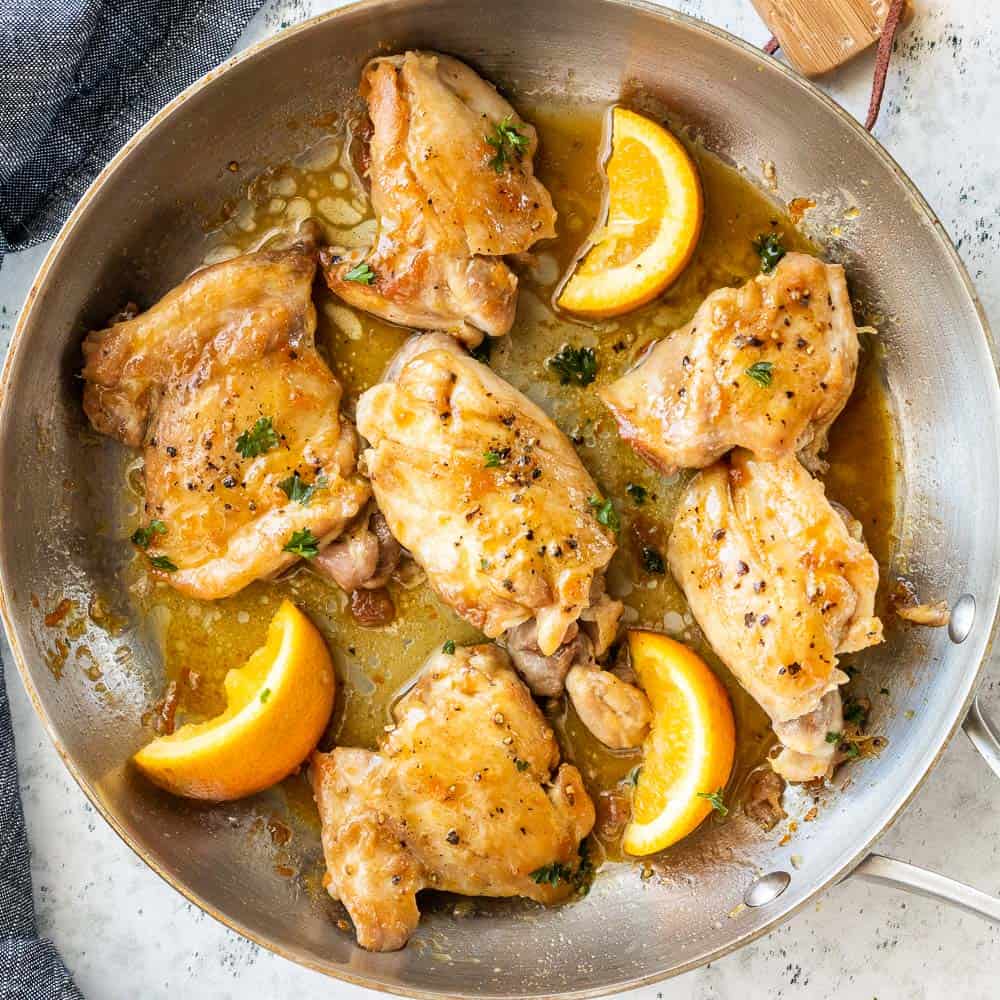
(125, 933)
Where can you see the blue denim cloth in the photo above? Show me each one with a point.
(77, 79)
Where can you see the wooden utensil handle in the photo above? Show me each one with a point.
(819, 35)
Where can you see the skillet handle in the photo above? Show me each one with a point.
(985, 737)
(902, 875)
(984, 734)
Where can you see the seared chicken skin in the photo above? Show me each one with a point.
(221, 386)
(448, 203)
(781, 583)
(484, 491)
(767, 367)
(491, 499)
(466, 794)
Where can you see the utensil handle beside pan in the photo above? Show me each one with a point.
(985, 737)
(903, 875)
(984, 734)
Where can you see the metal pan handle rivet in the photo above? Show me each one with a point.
(766, 889)
(963, 614)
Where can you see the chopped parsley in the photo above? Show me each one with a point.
(770, 250)
(508, 143)
(833, 737)
(143, 536)
(761, 373)
(652, 561)
(604, 511)
(162, 562)
(556, 872)
(361, 273)
(637, 493)
(521, 765)
(303, 543)
(855, 713)
(576, 365)
(261, 438)
(484, 564)
(295, 488)
(716, 799)
(264, 695)
(449, 647)
(492, 459)
(552, 874)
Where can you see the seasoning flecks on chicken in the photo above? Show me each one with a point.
(238, 417)
(466, 794)
(768, 367)
(781, 582)
(449, 204)
(484, 491)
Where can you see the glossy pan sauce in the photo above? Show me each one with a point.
(202, 640)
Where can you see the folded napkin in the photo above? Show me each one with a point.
(77, 78)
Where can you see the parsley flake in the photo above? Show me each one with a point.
(833, 737)
(855, 713)
(361, 273)
(449, 647)
(303, 543)
(492, 459)
(162, 562)
(143, 536)
(652, 561)
(637, 493)
(576, 365)
(716, 799)
(295, 488)
(604, 511)
(264, 695)
(552, 874)
(260, 438)
(508, 143)
(521, 765)
(761, 373)
(770, 250)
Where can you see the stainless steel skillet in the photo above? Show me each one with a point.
(138, 231)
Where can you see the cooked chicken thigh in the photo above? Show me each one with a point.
(768, 367)
(484, 491)
(781, 583)
(449, 204)
(238, 417)
(466, 794)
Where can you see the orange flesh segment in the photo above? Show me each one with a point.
(690, 747)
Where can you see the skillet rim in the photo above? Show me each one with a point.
(18, 341)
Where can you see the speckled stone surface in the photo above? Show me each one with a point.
(125, 933)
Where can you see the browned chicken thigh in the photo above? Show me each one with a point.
(491, 499)
(767, 367)
(238, 417)
(781, 583)
(448, 202)
(466, 794)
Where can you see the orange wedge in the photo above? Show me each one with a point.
(652, 225)
(688, 754)
(277, 707)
